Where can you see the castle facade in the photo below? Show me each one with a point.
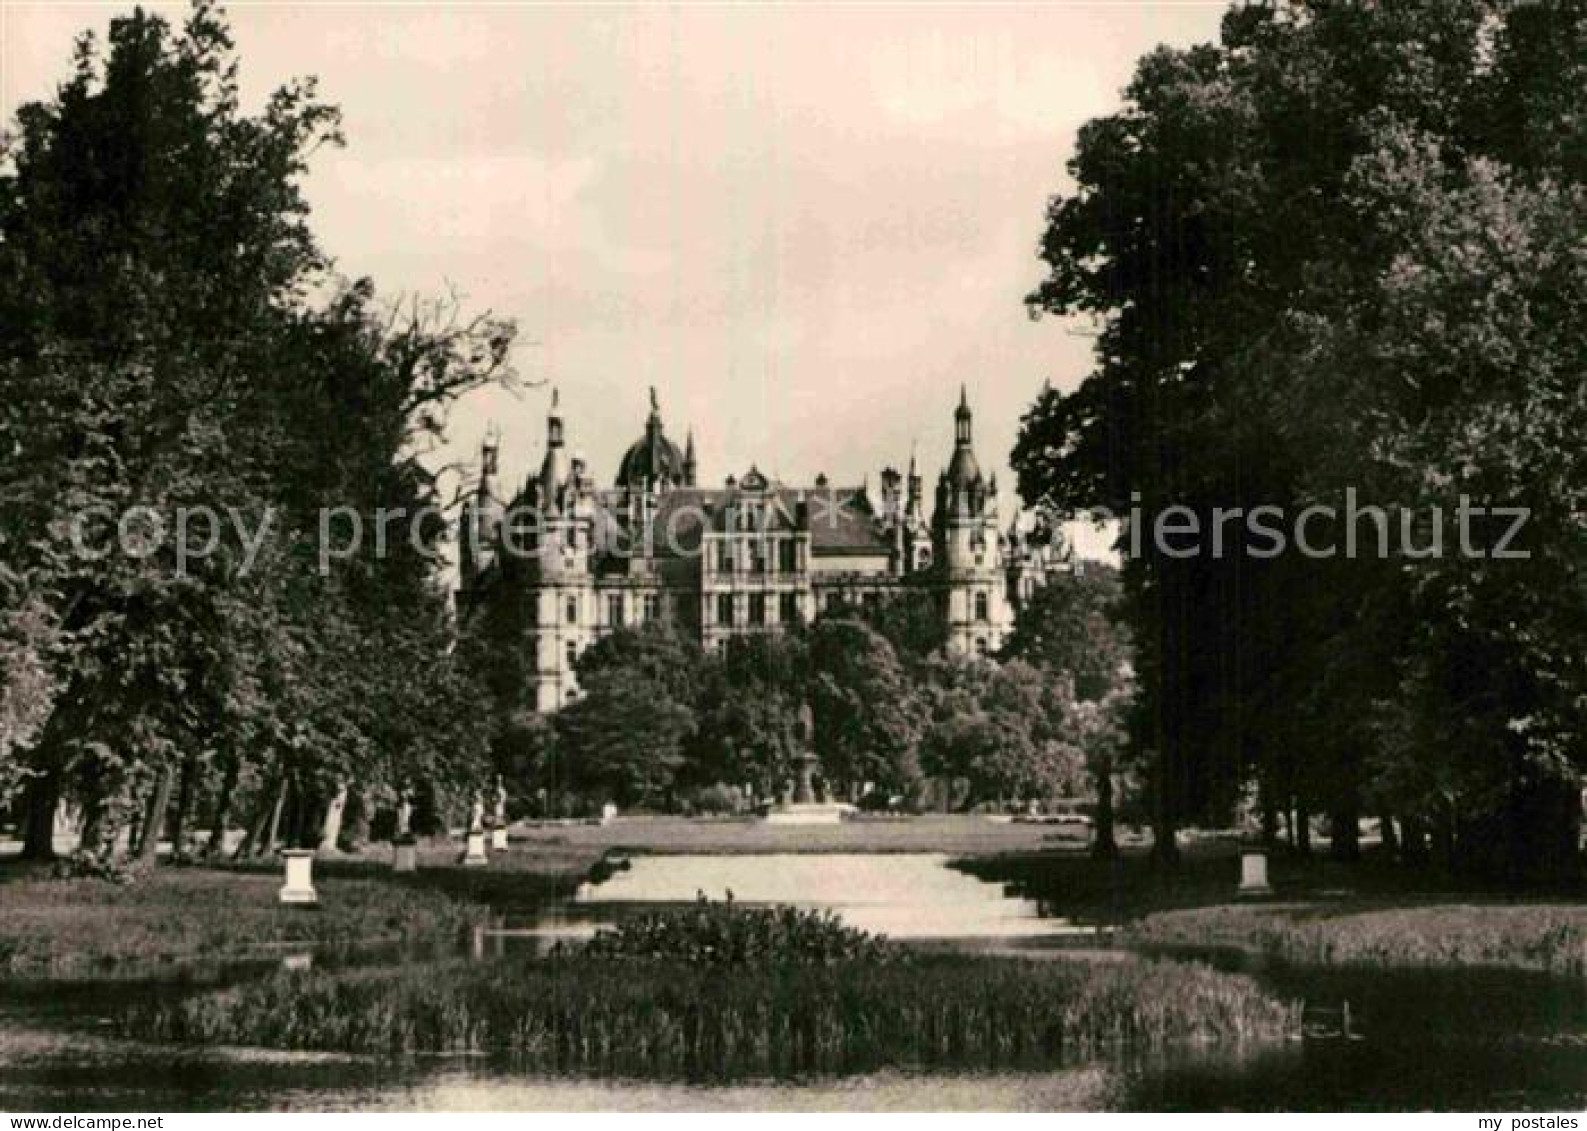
(749, 556)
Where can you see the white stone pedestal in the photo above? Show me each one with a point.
(406, 857)
(498, 838)
(299, 887)
(808, 813)
(475, 856)
(1253, 873)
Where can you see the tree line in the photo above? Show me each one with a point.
(172, 336)
(1340, 250)
(661, 723)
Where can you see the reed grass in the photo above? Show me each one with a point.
(725, 934)
(665, 1018)
(1547, 937)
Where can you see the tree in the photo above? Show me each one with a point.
(749, 713)
(1334, 250)
(861, 704)
(1071, 632)
(161, 354)
(623, 738)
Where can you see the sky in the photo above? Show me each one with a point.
(805, 226)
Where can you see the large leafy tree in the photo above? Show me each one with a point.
(1334, 250)
(161, 351)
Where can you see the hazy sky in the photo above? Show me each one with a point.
(804, 225)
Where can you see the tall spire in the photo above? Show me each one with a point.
(961, 420)
(689, 465)
(554, 468)
(554, 420)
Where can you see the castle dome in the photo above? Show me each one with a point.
(652, 458)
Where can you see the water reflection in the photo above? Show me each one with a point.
(1418, 1039)
(914, 896)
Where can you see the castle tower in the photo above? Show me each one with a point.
(480, 529)
(558, 569)
(555, 473)
(966, 547)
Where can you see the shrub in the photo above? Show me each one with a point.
(722, 934)
(715, 800)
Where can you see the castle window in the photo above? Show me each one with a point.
(572, 610)
(788, 608)
(757, 608)
(788, 555)
(652, 606)
(571, 651)
(981, 612)
(980, 646)
(614, 610)
(833, 600)
(757, 558)
(724, 608)
(724, 557)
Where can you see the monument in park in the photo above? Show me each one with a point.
(807, 805)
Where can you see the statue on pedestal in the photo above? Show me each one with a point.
(805, 760)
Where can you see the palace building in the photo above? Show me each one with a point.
(751, 555)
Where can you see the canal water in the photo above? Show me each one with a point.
(1375, 1039)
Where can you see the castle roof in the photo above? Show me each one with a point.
(653, 458)
(841, 522)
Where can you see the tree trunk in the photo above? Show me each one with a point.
(355, 822)
(331, 828)
(1269, 819)
(228, 788)
(184, 806)
(1344, 838)
(154, 815)
(43, 799)
(1391, 841)
(1444, 836)
(1165, 828)
(1413, 841)
(273, 829)
(1105, 846)
(1302, 827)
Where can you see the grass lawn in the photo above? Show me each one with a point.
(89, 929)
(1547, 936)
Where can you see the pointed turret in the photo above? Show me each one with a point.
(483, 515)
(554, 468)
(690, 468)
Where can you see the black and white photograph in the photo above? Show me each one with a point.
(858, 557)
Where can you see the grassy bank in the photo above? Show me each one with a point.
(592, 1015)
(1548, 937)
(80, 928)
